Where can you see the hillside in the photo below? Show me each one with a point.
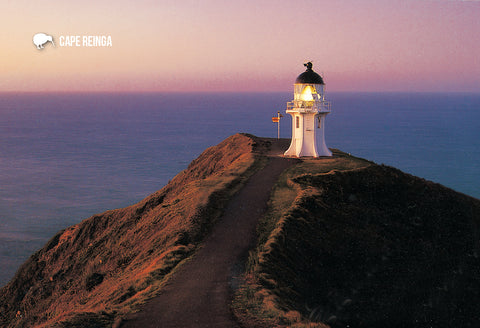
(365, 246)
(108, 264)
(344, 243)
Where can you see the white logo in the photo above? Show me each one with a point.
(90, 41)
(85, 40)
(40, 39)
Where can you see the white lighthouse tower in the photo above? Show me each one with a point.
(308, 110)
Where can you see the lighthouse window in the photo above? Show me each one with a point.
(297, 122)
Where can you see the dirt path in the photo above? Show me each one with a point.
(199, 295)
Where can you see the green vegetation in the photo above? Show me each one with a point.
(345, 243)
(350, 243)
(254, 304)
(286, 191)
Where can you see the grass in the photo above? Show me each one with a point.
(112, 263)
(332, 224)
(347, 242)
(253, 304)
(286, 191)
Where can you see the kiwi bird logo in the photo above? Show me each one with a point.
(40, 39)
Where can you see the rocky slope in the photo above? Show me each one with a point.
(106, 265)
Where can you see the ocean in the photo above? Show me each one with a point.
(65, 157)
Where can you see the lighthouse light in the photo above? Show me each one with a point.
(307, 93)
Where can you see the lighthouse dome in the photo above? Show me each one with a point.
(309, 76)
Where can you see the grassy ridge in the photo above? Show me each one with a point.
(346, 243)
(107, 265)
(363, 246)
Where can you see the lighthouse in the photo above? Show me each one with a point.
(308, 110)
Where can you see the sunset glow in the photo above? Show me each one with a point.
(372, 45)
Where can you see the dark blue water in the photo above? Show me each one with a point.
(65, 157)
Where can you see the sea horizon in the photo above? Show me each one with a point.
(67, 156)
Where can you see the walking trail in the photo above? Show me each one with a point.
(199, 294)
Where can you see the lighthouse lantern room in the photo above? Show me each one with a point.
(308, 110)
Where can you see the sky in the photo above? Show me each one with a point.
(258, 45)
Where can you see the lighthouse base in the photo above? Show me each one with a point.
(306, 151)
(306, 141)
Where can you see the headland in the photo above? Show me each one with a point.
(340, 241)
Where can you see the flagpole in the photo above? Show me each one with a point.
(277, 120)
(278, 132)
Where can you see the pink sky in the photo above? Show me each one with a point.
(368, 45)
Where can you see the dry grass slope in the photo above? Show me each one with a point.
(105, 266)
(346, 243)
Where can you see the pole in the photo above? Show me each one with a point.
(278, 128)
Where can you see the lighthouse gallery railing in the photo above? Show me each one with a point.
(322, 106)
